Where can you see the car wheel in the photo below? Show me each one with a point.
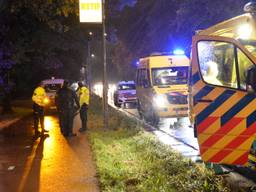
(155, 119)
(139, 110)
(152, 117)
(116, 103)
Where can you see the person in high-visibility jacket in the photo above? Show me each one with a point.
(39, 99)
(84, 97)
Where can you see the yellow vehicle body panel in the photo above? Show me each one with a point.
(163, 61)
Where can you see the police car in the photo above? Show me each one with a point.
(51, 87)
(125, 93)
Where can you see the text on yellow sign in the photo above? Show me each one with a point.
(90, 6)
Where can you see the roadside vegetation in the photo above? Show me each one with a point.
(130, 159)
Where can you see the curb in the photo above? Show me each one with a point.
(8, 122)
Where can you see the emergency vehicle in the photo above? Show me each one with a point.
(51, 87)
(222, 96)
(162, 86)
(125, 93)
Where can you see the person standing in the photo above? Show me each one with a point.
(66, 99)
(38, 98)
(84, 97)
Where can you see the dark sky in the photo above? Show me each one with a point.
(127, 2)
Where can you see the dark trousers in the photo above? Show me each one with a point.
(83, 116)
(66, 122)
(38, 114)
(60, 115)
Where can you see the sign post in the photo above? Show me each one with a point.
(93, 11)
(105, 78)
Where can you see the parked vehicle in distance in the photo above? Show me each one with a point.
(51, 87)
(125, 93)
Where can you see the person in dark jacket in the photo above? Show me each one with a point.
(67, 103)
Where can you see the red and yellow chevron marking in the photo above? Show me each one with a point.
(229, 144)
(223, 134)
(210, 125)
(237, 158)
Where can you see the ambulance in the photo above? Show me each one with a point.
(161, 85)
(222, 93)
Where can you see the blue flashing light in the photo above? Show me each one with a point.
(137, 63)
(178, 52)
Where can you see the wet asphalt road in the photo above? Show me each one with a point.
(50, 163)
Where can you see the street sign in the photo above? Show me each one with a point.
(90, 11)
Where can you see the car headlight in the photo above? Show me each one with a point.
(160, 101)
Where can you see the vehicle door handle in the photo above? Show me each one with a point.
(204, 100)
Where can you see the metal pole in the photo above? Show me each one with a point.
(105, 81)
(88, 63)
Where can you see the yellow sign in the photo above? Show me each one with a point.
(90, 11)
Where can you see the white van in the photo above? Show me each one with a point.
(51, 87)
(125, 93)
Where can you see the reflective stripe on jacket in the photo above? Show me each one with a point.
(39, 95)
(84, 96)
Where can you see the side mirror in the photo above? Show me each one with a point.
(251, 78)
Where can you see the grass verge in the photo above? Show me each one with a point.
(129, 159)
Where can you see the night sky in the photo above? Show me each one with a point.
(127, 2)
